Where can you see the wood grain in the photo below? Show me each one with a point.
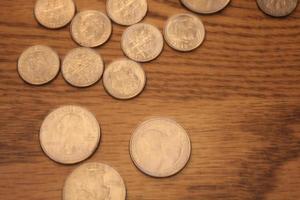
(238, 96)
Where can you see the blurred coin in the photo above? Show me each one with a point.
(126, 12)
(38, 65)
(184, 32)
(94, 181)
(54, 13)
(277, 8)
(69, 134)
(205, 6)
(82, 67)
(142, 42)
(91, 28)
(124, 79)
(160, 147)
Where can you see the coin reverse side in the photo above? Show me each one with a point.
(277, 8)
(69, 134)
(205, 6)
(160, 147)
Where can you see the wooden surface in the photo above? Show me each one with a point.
(238, 96)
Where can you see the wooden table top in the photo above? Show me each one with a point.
(238, 96)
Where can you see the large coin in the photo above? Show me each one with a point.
(277, 8)
(184, 32)
(82, 67)
(94, 181)
(142, 42)
(124, 79)
(160, 147)
(205, 6)
(69, 134)
(38, 65)
(54, 13)
(91, 28)
(126, 12)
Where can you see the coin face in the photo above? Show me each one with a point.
(94, 181)
(82, 67)
(277, 8)
(124, 79)
(126, 12)
(142, 42)
(205, 6)
(54, 13)
(184, 32)
(160, 147)
(69, 134)
(91, 28)
(38, 65)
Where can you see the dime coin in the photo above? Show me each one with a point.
(277, 8)
(184, 32)
(94, 181)
(82, 67)
(126, 12)
(124, 79)
(69, 134)
(142, 42)
(91, 28)
(160, 147)
(205, 6)
(54, 13)
(38, 65)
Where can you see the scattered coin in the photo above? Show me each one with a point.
(124, 79)
(277, 8)
(38, 65)
(54, 13)
(126, 12)
(205, 6)
(82, 67)
(160, 147)
(91, 28)
(69, 134)
(184, 32)
(94, 181)
(142, 42)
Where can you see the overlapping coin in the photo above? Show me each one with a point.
(160, 147)
(94, 181)
(69, 134)
(184, 32)
(205, 6)
(38, 65)
(277, 8)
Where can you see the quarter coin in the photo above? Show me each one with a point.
(142, 42)
(124, 79)
(69, 134)
(82, 67)
(184, 32)
(54, 14)
(94, 181)
(205, 6)
(38, 65)
(277, 8)
(160, 147)
(91, 28)
(126, 12)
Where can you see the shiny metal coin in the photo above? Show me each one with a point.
(205, 6)
(277, 8)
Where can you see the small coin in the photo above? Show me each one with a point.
(205, 6)
(277, 8)
(91, 28)
(82, 67)
(69, 134)
(142, 42)
(124, 79)
(126, 12)
(38, 65)
(94, 181)
(184, 32)
(54, 14)
(160, 147)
